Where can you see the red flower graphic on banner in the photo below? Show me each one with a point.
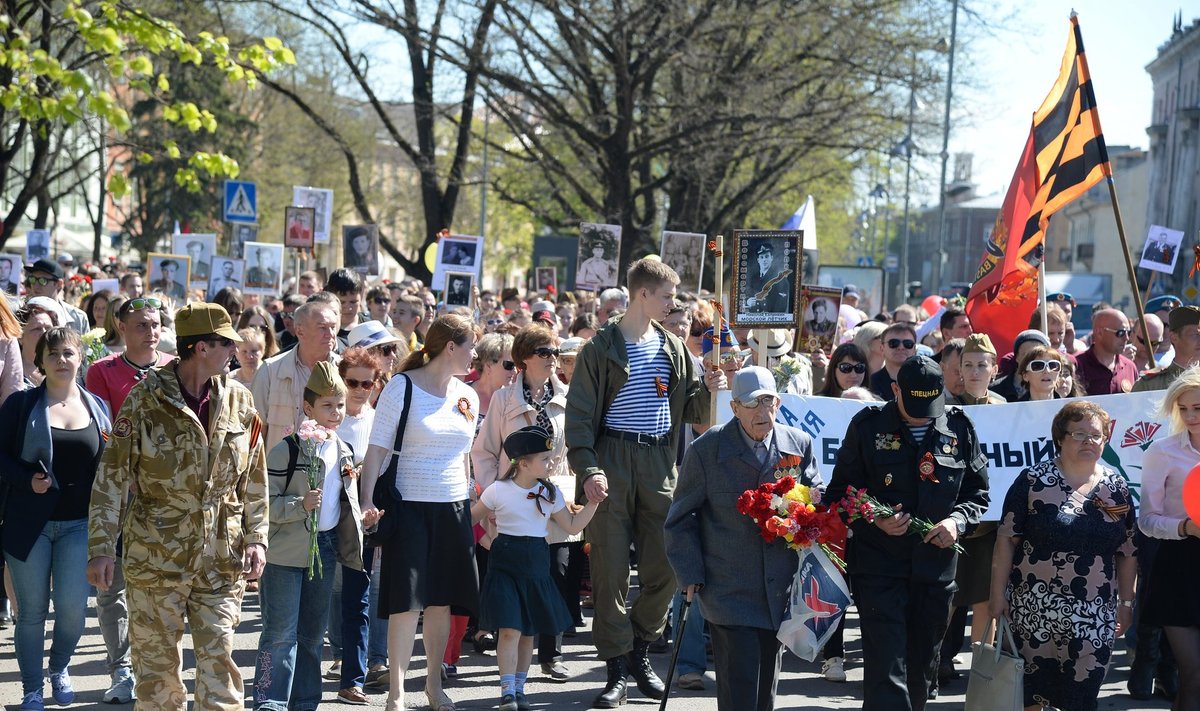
(1141, 434)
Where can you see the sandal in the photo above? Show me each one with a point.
(442, 703)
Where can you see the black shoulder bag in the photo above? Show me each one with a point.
(384, 497)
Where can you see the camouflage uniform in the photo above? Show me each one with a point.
(198, 500)
(1158, 379)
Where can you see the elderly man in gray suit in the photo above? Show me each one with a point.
(717, 553)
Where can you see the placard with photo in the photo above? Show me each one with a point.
(167, 274)
(200, 248)
(820, 307)
(298, 227)
(264, 268)
(766, 278)
(321, 201)
(459, 286)
(456, 253)
(37, 245)
(1161, 249)
(599, 253)
(239, 234)
(113, 286)
(10, 273)
(227, 273)
(547, 279)
(684, 252)
(360, 248)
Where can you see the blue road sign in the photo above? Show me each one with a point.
(241, 201)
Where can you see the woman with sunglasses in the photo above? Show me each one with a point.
(1039, 374)
(847, 369)
(535, 397)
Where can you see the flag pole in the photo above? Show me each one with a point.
(1137, 294)
(718, 249)
(1042, 293)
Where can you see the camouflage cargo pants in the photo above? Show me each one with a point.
(157, 615)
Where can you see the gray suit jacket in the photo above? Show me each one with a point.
(708, 542)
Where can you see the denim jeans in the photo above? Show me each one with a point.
(693, 658)
(287, 672)
(377, 638)
(59, 552)
(349, 620)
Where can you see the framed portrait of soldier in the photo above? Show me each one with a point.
(37, 245)
(321, 201)
(200, 249)
(227, 273)
(264, 268)
(684, 252)
(360, 248)
(239, 234)
(1161, 249)
(547, 279)
(819, 309)
(458, 288)
(299, 227)
(599, 251)
(10, 273)
(168, 275)
(456, 253)
(766, 278)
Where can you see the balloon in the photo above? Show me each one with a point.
(932, 303)
(1191, 493)
(431, 256)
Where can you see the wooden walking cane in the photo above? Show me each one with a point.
(683, 617)
(717, 247)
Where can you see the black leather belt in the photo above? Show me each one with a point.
(647, 440)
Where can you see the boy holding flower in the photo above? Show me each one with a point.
(315, 523)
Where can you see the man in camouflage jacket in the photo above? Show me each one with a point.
(184, 479)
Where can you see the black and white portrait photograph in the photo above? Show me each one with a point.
(458, 288)
(599, 251)
(239, 235)
(547, 279)
(37, 245)
(766, 267)
(10, 273)
(819, 323)
(684, 252)
(321, 201)
(227, 272)
(1161, 249)
(456, 253)
(168, 275)
(200, 249)
(360, 248)
(264, 268)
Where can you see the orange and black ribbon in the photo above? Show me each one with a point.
(660, 387)
(1115, 511)
(538, 497)
(926, 467)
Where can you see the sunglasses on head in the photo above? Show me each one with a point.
(846, 367)
(1037, 366)
(363, 384)
(146, 302)
(545, 352)
(906, 343)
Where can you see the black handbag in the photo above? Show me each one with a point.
(384, 497)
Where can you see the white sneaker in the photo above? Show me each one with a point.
(833, 670)
(121, 691)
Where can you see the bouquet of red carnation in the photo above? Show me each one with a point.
(789, 511)
(862, 506)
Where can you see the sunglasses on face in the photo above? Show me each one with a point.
(545, 352)
(382, 301)
(907, 343)
(1153, 344)
(844, 367)
(768, 400)
(39, 281)
(288, 314)
(507, 364)
(1120, 332)
(1037, 366)
(495, 322)
(222, 341)
(389, 350)
(363, 384)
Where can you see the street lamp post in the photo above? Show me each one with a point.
(907, 146)
(940, 260)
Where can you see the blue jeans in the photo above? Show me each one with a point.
(692, 655)
(59, 552)
(287, 672)
(349, 619)
(377, 639)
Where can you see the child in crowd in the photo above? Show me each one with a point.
(295, 599)
(250, 354)
(519, 596)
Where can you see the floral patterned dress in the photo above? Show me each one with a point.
(1062, 591)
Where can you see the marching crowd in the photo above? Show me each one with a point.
(375, 465)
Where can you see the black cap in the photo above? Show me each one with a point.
(48, 267)
(920, 380)
(528, 440)
(765, 247)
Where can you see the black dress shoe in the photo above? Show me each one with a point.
(616, 689)
(639, 668)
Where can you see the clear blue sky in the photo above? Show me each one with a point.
(1016, 63)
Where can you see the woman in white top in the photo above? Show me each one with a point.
(1171, 599)
(431, 567)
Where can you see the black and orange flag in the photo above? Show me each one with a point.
(1064, 156)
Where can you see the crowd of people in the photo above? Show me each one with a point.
(376, 464)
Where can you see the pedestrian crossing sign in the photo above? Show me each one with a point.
(241, 201)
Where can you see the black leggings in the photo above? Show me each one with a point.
(1185, 643)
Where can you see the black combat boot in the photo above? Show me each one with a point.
(639, 667)
(615, 689)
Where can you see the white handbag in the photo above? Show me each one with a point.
(997, 681)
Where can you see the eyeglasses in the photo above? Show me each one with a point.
(389, 350)
(362, 384)
(545, 352)
(907, 343)
(147, 302)
(382, 301)
(288, 314)
(768, 400)
(1120, 332)
(507, 364)
(845, 367)
(495, 322)
(1037, 366)
(732, 356)
(1153, 344)
(39, 281)
(1085, 437)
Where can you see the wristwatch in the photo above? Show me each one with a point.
(961, 525)
(1125, 603)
